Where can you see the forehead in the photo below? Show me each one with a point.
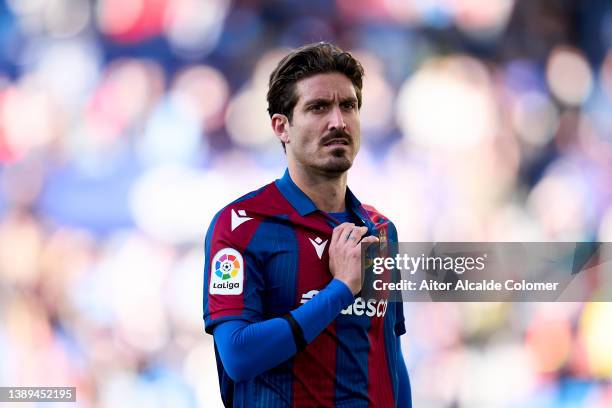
(325, 86)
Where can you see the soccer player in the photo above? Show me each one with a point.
(282, 274)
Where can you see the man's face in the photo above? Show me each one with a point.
(324, 134)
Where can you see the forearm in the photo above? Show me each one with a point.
(248, 349)
(316, 314)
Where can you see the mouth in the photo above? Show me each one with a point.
(336, 142)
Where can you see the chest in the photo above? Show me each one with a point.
(294, 265)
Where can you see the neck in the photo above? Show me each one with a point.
(326, 191)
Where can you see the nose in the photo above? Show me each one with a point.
(336, 121)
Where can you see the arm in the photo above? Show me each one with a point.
(273, 339)
(277, 339)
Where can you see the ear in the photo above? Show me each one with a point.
(280, 125)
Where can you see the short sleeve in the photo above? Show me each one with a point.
(233, 280)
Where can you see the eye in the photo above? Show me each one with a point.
(349, 105)
(319, 107)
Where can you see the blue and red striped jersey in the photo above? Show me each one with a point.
(266, 254)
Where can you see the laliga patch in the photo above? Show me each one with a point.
(227, 277)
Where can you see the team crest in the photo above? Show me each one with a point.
(227, 277)
(382, 235)
(382, 239)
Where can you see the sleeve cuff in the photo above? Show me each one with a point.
(344, 293)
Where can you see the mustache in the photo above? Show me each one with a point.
(336, 134)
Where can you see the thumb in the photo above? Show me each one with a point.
(369, 239)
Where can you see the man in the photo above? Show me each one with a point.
(282, 274)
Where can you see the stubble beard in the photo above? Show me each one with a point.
(336, 165)
(330, 164)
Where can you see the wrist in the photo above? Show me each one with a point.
(346, 292)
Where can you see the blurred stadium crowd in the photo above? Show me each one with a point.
(125, 125)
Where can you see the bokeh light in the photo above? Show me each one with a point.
(549, 357)
(606, 74)
(597, 336)
(483, 20)
(569, 75)
(194, 27)
(28, 118)
(126, 125)
(131, 21)
(247, 120)
(454, 88)
(535, 118)
(558, 202)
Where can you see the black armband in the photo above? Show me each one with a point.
(298, 334)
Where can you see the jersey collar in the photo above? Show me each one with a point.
(300, 201)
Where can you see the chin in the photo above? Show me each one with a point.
(337, 165)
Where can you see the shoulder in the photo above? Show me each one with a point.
(376, 216)
(251, 201)
(380, 220)
(241, 216)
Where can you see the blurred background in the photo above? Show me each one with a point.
(125, 125)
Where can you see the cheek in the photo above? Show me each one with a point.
(308, 138)
(354, 125)
(302, 142)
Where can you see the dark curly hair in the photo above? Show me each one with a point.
(308, 60)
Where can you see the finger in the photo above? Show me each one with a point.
(358, 232)
(348, 235)
(368, 241)
(339, 231)
(355, 236)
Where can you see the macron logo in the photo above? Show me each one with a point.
(319, 245)
(238, 218)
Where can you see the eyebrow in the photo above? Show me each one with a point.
(325, 101)
(349, 99)
(317, 101)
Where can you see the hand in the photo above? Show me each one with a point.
(345, 254)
